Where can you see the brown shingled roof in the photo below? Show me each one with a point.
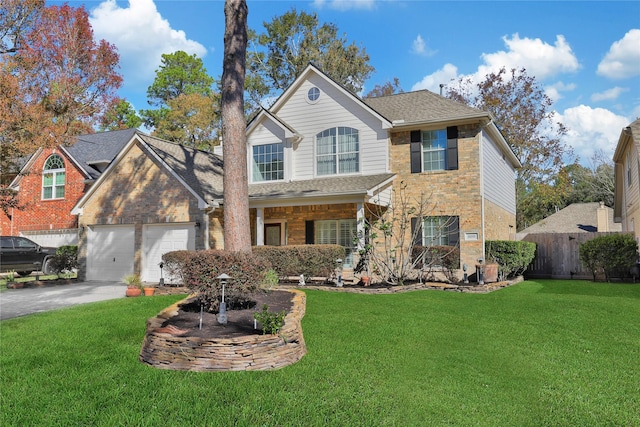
(575, 218)
(422, 106)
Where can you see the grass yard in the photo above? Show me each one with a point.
(553, 353)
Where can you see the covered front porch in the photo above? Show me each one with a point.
(320, 211)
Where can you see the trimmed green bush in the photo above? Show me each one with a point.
(613, 254)
(513, 257)
(271, 321)
(199, 271)
(65, 259)
(310, 260)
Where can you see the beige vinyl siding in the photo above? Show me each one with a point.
(499, 184)
(631, 191)
(333, 109)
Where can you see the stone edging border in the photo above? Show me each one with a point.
(475, 289)
(164, 349)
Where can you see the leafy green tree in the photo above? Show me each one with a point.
(186, 104)
(523, 113)
(595, 183)
(122, 115)
(290, 42)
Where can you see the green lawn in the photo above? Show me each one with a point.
(553, 353)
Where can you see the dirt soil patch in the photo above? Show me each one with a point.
(240, 321)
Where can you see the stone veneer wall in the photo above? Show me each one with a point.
(163, 350)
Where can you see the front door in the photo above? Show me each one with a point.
(272, 233)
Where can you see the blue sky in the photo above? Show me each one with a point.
(585, 54)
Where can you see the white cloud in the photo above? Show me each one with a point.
(141, 35)
(592, 129)
(433, 81)
(554, 90)
(419, 47)
(344, 5)
(623, 59)
(539, 58)
(609, 94)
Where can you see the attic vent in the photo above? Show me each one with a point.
(313, 95)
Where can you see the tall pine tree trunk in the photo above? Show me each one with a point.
(237, 233)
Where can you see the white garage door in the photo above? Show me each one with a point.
(110, 252)
(160, 239)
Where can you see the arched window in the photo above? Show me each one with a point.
(53, 178)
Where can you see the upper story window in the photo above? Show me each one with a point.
(53, 178)
(337, 151)
(434, 150)
(268, 162)
(313, 95)
(628, 169)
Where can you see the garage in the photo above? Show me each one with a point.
(160, 239)
(110, 252)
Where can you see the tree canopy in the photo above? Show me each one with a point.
(187, 106)
(522, 112)
(290, 42)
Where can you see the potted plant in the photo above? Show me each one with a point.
(134, 285)
(149, 291)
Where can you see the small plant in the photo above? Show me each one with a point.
(271, 279)
(11, 276)
(65, 260)
(133, 281)
(271, 321)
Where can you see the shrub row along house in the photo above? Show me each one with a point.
(320, 160)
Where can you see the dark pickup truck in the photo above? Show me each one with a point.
(24, 256)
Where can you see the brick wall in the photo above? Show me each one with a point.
(138, 191)
(451, 193)
(498, 223)
(44, 214)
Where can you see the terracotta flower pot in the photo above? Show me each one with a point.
(149, 291)
(133, 292)
(366, 280)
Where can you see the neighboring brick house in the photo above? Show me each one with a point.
(52, 181)
(321, 158)
(626, 204)
(155, 197)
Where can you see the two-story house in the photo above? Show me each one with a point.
(52, 181)
(320, 158)
(320, 161)
(626, 203)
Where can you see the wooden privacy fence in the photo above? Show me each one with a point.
(558, 255)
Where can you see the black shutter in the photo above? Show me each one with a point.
(452, 148)
(309, 232)
(416, 151)
(416, 231)
(454, 230)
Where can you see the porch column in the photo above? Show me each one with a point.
(259, 226)
(360, 225)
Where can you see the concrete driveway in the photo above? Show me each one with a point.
(20, 302)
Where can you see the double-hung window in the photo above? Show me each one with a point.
(53, 178)
(337, 151)
(436, 230)
(434, 150)
(268, 162)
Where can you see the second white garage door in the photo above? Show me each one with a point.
(110, 251)
(160, 239)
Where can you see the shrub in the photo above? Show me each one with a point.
(271, 321)
(65, 259)
(512, 257)
(444, 258)
(310, 260)
(612, 254)
(199, 271)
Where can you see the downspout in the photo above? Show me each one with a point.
(481, 161)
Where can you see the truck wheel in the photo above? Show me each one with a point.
(47, 267)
